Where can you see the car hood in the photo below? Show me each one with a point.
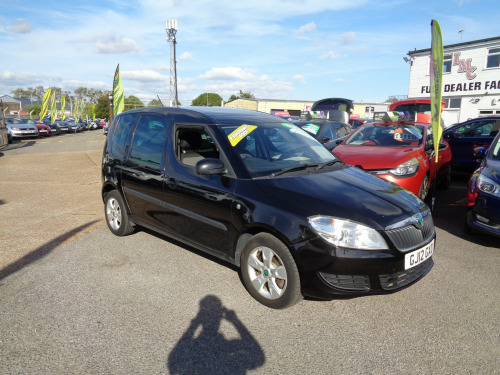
(347, 193)
(374, 157)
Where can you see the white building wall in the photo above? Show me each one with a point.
(478, 87)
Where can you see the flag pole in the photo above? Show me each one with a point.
(436, 82)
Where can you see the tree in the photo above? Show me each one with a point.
(242, 95)
(391, 99)
(132, 102)
(208, 100)
(155, 103)
(102, 107)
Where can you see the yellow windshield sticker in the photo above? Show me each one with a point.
(236, 136)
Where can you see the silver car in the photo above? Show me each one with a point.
(22, 130)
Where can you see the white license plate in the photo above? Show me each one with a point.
(418, 256)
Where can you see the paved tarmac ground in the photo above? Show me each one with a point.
(79, 300)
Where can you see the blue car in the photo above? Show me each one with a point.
(464, 137)
(483, 196)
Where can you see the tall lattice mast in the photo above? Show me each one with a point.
(171, 28)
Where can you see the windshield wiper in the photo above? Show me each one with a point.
(293, 169)
(330, 162)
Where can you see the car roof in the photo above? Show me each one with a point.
(214, 115)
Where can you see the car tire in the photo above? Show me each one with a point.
(424, 188)
(116, 214)
(269, 272)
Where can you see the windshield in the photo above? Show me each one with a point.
(270, 148)
(495, 149)
(387, 136)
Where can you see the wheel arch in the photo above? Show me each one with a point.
(249, 232)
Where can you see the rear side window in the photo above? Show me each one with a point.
(149, 140)
(123, 129)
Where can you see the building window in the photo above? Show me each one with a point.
(453, 103)
(493, 60)
(447, 64)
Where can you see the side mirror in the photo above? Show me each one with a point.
(210, 166)
(325, 140)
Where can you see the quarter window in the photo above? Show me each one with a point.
(493, 60)
(149, 140)
(123, 127)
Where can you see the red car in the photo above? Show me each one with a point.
(398, 151)
(43, 130)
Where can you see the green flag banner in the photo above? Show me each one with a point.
(436, 83)
(93, 112)
(118, 93)
(45, 104)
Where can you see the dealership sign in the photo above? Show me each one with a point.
(466, 68)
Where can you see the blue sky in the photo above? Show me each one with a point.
(276, 49)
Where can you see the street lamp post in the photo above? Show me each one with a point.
(171, 28)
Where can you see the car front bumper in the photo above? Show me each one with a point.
(359, 272)
(484, 216)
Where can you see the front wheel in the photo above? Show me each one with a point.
(116, 214)
(424, 188)
(269, 272)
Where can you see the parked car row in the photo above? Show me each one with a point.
(19, 128)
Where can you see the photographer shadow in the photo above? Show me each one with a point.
(203, 349)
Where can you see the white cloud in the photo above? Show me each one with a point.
(142, 75)
(299, 78)
(186, 56)
(20, 26)
(330, 55)
(349, 37)
(340, 80)
(117, 46)
(311, 26)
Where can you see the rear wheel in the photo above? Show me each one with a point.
(116, 214)
(270, 273)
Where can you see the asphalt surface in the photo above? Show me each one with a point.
(78, 300)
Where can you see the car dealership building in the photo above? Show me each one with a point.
(471, 79)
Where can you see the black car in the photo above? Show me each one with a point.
(54, 128)
(464, 137)
(261, 193)
(329, 133)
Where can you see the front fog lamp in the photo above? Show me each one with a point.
(346, 233)
(408, 168)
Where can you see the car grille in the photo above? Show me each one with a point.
(402, 278)
(347, 282)
(409, 237)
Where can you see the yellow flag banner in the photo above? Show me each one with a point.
(118, 93)
(45, 104)
(63, 107)
(53, 111)
(436, 83)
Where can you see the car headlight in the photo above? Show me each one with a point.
(487, 186)
(345, 233)
(409, 167)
